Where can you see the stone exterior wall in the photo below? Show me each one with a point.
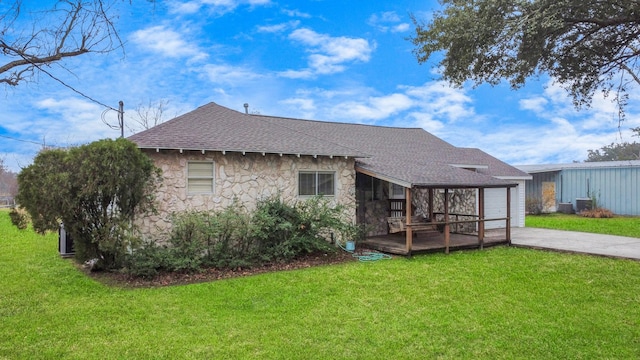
(247, 178)
(461, 201)
(376, 214)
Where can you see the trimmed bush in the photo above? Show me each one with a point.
(19, 218)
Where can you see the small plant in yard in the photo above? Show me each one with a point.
(533, 205)
(595, 210)
(19, 218)
(598, 213)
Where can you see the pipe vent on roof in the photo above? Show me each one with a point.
(246, 108)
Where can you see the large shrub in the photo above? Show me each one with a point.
(96, 190)
(219, 239)
(43, 189)
(232, 238)
(284, 232)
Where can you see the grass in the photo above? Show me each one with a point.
(501, 303)
(623, 226)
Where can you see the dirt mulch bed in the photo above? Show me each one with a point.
(206, 275)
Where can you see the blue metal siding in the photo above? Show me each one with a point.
(533, 187)
(616, 189)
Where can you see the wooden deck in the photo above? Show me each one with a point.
(433, 241)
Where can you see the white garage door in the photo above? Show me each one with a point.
(495, 206)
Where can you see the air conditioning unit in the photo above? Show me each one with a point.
(565, 208)
(583, 204)
(65, 243)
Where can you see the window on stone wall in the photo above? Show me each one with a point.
(200, 177)
(312, 183)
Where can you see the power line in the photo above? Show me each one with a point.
(63, 83)
(71, 87)
(22, 140)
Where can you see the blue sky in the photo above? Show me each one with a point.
(323, 60)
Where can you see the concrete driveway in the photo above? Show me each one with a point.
(598, 244)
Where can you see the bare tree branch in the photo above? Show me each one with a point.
(150, 115)
(635, 77)
(71, 28)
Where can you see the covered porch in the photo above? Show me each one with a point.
(428, 242)
(424, 230)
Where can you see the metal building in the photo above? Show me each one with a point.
(614, 185)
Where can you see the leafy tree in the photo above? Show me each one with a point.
(619, 151)
(584, 45)
(43, 189)
(96, 190)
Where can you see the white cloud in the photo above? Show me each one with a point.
(297, 74)
(400, 28)
(302, 107)
(443, 101)
(296, 13)
(426, 121)
(273, 28)
(600, 117)
(189, 7)
(561, 134)
(219, 7)
(373, 108)
(277, 28)
(384, 17)
(228, 74)
(81, 118)
(535, 104)
(304, 104)
(387, 21)
(167, 42)
(328, 54)
(52, 122)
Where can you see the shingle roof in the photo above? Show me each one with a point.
(215, 128)
(408, 156)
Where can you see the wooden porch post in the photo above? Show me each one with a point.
(508, 231)
(481, 218)
(446, 221)
(409, 233)
(431, 218)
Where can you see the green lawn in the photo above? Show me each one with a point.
(623, 226)
(501, 303)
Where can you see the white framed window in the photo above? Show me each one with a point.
(200, 177)
(396, 191)
(311, 183)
